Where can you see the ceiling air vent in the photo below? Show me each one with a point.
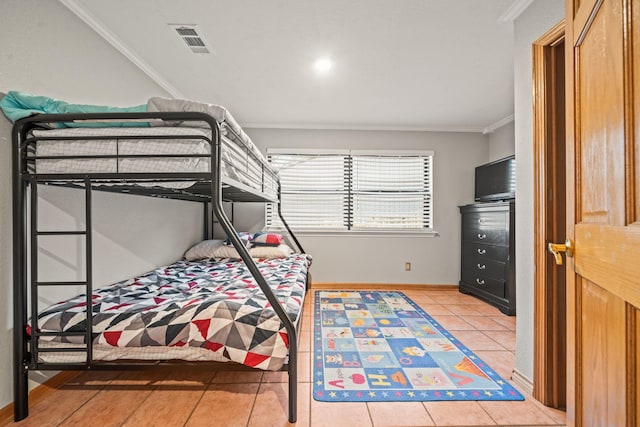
(189, 34)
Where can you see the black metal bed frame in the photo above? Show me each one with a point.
(209, 187)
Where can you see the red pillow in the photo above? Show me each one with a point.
(267, 239)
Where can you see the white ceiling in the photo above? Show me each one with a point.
(398, 64)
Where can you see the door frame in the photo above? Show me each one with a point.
(549, 373)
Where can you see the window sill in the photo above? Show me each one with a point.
(364, 233)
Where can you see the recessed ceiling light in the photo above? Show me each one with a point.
(323, 65)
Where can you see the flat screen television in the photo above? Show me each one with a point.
(496, 181)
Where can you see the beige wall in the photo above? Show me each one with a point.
(46, 50)
(533, 23)
(502, 142)
(350, 258)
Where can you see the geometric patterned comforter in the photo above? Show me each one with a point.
(212, 304)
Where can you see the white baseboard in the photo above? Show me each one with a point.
(525, 385)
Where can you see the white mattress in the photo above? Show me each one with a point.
(237, 163)
(107, 353)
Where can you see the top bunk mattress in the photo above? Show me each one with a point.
(175, 133)
(192, 310)
(105, 150)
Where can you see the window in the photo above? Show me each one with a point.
(353, 190)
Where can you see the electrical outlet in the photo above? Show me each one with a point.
(407, 266)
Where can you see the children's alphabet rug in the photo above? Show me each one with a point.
(380, 346)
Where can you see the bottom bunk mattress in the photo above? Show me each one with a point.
(190, 310)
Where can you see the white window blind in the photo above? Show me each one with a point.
(356, 190)
(391, 191)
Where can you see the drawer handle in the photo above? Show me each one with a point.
(481, 236)
(482, 266)
(481, 221)
(482, 251)
(480, 281)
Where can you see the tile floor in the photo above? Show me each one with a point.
(194, 396)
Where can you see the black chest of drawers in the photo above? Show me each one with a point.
(488, 254)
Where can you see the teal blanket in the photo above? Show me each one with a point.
(17, 105)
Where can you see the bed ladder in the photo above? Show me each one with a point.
(37, 284)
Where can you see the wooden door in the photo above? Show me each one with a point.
(603, 212)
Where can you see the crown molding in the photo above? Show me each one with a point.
(95, 24)
(515, 10)
(361, 127)
(497, 125)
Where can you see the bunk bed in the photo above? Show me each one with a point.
(199, 155)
